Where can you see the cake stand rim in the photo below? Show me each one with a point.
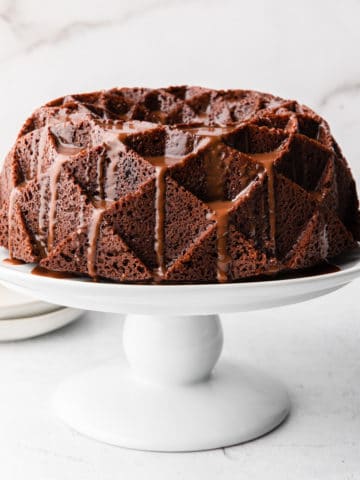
(344, 275)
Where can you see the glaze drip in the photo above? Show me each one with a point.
(208, 139)
(114, 147)
(113, 142)
(13, 194)
(210, 174)
(159, 219)
(64, 151)
(220, 207)
(267, 160)
(13, 261)
(220, 213)
(161, 164)
(93, 235)
(43, 272)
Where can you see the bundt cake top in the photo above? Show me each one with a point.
(221, 167)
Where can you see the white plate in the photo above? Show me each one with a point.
(21, 328)
(175, 299)
(15, 305)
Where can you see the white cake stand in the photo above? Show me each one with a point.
(168, 396)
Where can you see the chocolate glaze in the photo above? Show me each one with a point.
(63, 153)
(181, 135)
(109, 189)
(161, 164)
(43, 272)
(267, 160)
(13, 261)
(205, 138)
(324, 268)
(13, 195)
(221, 209)
(93, 234)
(159, 218)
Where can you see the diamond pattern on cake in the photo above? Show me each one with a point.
(182, 184)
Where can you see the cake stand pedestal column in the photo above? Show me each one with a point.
(171, 395)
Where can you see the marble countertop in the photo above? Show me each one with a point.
(308, 51)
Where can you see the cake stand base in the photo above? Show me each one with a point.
(166, 397)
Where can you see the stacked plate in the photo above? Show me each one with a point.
(24, 317)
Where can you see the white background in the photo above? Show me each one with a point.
(305, 50)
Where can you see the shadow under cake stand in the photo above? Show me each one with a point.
(168, 396)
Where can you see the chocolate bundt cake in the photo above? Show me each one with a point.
(182, 184)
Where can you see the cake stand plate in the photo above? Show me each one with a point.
(170, 395)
